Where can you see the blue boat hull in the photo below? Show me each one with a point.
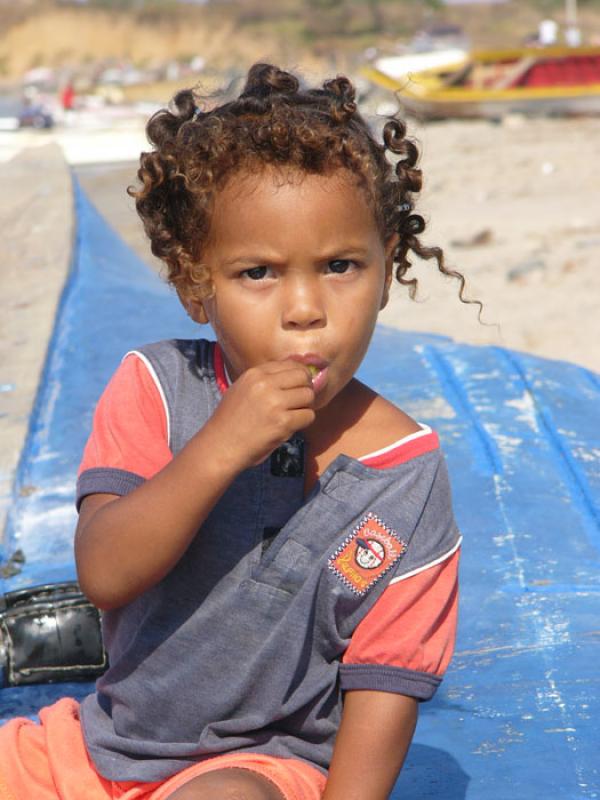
(516, 716)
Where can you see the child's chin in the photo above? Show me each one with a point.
(324, 398)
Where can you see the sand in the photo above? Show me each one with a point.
(37, 233)
(529, 192)
(516, 208)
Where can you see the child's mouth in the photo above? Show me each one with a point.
(318, 377)
(317, 369)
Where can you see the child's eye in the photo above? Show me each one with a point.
(341, 265)
(255, 273)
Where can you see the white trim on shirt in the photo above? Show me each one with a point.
(427, 566)
(425, 430)
(158, 385)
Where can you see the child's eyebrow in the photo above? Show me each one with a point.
(253, 259)
(332, 253)
(346, 251)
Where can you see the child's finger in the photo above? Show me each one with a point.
(286, 374)
(300, 397)
(275, 367)
(297, 376)
(302, 418)
(271, 367)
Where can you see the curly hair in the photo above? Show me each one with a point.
(274, 122)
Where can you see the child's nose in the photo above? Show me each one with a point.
(303, 305)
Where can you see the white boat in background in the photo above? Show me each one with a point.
(402, 66)
(558, 80)
(433, 49)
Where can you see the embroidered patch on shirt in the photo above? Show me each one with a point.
(366, 554)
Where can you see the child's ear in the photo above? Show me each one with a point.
(197, 312)
(195, 309)
(390, 250)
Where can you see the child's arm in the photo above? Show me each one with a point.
(371, 744)
(125, 545)
(404, 643)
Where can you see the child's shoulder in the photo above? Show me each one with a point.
(377, 423)
(384, 423)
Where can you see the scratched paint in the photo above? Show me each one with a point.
(525, 405)
(516, 716)
(436, 408)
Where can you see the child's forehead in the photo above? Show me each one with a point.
(268, 191)
(268, 179)
(287, 209)
(289, 214)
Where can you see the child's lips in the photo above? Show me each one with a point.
(320, 379)
(318, 368)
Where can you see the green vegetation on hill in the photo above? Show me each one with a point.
(364, 21)
(229, 34)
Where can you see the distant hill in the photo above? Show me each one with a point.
(228, 34)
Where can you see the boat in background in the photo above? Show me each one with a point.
(443, 61)
(557, 80)
(437, 48)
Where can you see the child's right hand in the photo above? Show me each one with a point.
(261, 410)
(124, 545)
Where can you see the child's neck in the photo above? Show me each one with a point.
(356, 422)
(338, 429)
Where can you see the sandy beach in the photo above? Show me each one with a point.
(516, 208)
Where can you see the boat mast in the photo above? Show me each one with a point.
(572, 32)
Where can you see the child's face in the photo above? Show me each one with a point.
(299, 268)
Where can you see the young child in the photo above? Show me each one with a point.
(271, 541)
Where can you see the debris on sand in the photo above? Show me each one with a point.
(525, 268)
(479, 239)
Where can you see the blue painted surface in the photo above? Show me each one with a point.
(517, 715)
(99, 319)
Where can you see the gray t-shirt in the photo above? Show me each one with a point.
(239, 647)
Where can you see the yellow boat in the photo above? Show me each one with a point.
(492, 83)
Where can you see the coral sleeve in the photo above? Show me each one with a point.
(129, 439)
(405, 642)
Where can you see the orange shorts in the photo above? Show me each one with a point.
(49, 761)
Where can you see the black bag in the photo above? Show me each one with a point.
(49, 633)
